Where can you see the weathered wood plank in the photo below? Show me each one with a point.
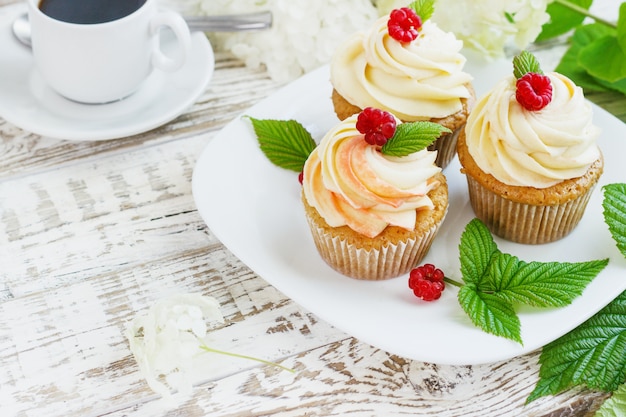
(64, 353)
(351, 378)
(99, 216)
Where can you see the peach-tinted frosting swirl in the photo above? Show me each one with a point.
(533, 148)
(419, 80)
(351, 183)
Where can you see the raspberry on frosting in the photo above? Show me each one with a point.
(377, 125)
(404, 24)
(534, 91)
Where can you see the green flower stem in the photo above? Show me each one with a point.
(585, 12)
(452, 282)
(236, 355)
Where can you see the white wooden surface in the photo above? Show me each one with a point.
(93, 232)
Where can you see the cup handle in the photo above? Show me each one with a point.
(179, 27)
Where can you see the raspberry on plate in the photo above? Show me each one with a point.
(427, 283)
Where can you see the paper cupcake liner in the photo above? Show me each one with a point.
(526, 223)
(371, 264)
(445, 146)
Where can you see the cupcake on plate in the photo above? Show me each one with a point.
(374, 207)
(530, 155)
(406, 65)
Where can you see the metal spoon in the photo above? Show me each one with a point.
(221, 23)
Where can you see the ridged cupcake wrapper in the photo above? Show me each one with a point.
(445, 146)
(526, 223)
(371, 264)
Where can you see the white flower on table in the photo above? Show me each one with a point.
(167, 340)
(170, 343)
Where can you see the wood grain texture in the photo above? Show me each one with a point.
(91, 233)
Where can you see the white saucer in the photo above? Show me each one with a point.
(27, 102)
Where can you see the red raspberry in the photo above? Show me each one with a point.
(534, 91)
(378, 126)
(427, 283)
(301, 177)
(403, 24)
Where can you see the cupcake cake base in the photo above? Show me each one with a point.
(526, 214)
(392, 253)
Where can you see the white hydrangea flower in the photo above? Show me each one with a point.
(303, 36)
(491, 26)
(166, 341)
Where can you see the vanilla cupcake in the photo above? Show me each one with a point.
(416, 74)
(530, 155)
(372, 216)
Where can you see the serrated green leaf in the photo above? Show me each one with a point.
(286, 143)
(569, 64)
(490, 313)
(496, 281)
(412, 137)
(524, 63)
(477, 248)
(591, 355)
(614, 406)
(614, 211)
(501, 272)
(423, 8)
(543, 284)
(562, 19)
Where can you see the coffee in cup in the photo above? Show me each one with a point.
(99, 51)
(89, 11)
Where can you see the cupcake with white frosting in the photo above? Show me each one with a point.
(373, 213)
(406, 65)
(530, 155)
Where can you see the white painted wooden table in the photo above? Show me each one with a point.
(93, 232)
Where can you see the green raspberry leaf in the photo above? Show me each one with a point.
(524, 63)
(604, 59)
(569, 65)
(423, 8)
(621, 27)
(495, 282)
(286, 143)
(614, 205)
(562, 19)
(476, 249)
(412, 137)
(591, 355)
(490, 313)
(614, 406)
(619, 86)
(543, 284)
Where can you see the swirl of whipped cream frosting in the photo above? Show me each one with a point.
(533, 148)
(419, 80)
(351, 183)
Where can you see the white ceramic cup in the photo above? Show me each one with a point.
(105, 62)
